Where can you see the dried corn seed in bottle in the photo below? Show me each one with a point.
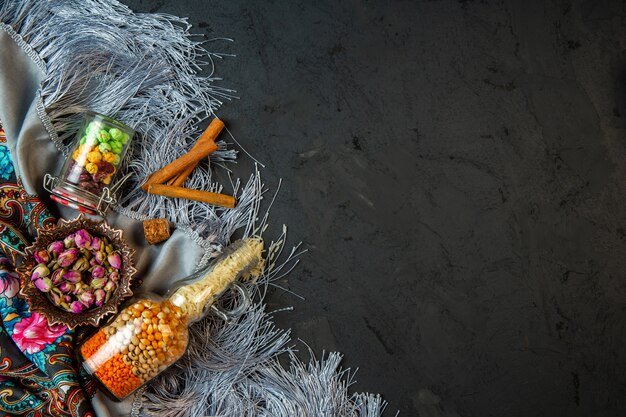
(150, 333)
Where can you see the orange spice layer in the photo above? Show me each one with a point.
(118, 377)
(114, 373)
(91, 346)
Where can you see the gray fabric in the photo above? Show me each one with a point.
(34, 155)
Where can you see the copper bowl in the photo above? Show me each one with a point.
(40, 302)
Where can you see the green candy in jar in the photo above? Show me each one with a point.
(116, 134)
(116, 147)
(104, 147)
(103, 136)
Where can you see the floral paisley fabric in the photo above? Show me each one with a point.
(38, 376)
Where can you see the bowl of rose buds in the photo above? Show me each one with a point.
(77, 272)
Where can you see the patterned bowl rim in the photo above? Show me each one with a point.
(39, 301)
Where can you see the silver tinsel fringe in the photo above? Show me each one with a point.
(143, 69)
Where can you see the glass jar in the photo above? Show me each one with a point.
(151, 333)
(147, 336)
(93, 164)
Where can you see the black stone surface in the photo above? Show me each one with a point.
(457, 171)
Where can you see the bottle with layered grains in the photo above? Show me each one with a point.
(151, 333)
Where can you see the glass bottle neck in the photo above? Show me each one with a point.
(195, 295)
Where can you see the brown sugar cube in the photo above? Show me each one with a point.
(156, 230)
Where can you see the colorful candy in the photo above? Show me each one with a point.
(96, 159)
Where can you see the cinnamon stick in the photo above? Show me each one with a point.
(203, 148)
(179, 179)
(215, 199)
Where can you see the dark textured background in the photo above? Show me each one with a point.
(457, 170)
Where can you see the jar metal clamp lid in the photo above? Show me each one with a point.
(71, 196)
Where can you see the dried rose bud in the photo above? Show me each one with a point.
(98, 272)
(57, 276)
(69, 241)
(67, 298)
(83, 239)
(67, 257)
(81, 264)
(66, 287)
(39, 272)
(114, 276)
(56, 298)
(110, 286)
(96, 243)
(98, 282)
(42, 257)
(93, 261)
(43, 284)
(99, 294)
(109, 248)
(100, 257)
(78, 288)
(87, 298)
(114, 260)
(72, 276)
(77, 307)
(56, 247)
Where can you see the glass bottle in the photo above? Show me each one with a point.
(151, 333)
(95, 157)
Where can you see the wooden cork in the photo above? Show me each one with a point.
(156, 230)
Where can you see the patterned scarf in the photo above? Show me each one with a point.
(38, 372)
